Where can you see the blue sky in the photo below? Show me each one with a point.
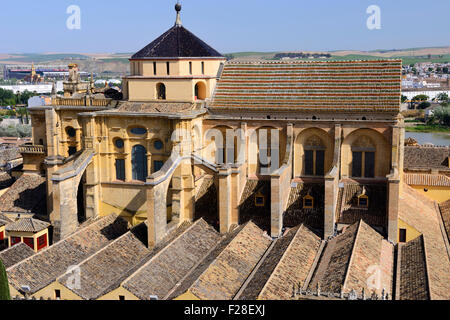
(233, 25)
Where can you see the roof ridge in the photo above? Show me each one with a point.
(350, 262)
(163, 250)
(69, 237)
(281, 259)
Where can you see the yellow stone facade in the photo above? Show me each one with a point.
(91, 148)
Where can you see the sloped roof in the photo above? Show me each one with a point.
(366, 86)
(15, 254)
(445, 213)
(260, 278)
(412, 277)
(43, 268)
(347, 261)
(293, 267)
(204, 264)
(102, 270)
(176, 42)
(159, 275)
(27, 225)
(423, 179)
(422, 214)
(4, 220)
(420, 157)
(27, 194)
(228, 272)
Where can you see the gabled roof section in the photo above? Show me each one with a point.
(294, 266)
(412, 271)
(27, 225)
(43, 268)
(162, 273)
(426, 158)
(177, 42)
(103, 270)
(445, 212)
(363, 86)
(423, 215)
(15, 254)
(228, 272)
(349, 260)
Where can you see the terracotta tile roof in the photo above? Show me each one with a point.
(294, 266)
(5, 180)
(26, 195)
(4, 220)
(162, 273)
(426, 158)
(422, 214)
(43, 268)
(15, 254)
(347, 209)
(259, 280)
(445, 213)
(176, 42)
(196, 272)
(27, 225)
(227, 273)
(348, 259)
(412, 277)
(365, 86)
(431, 180)
(105, 268)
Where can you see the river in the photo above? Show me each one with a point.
(436, 138)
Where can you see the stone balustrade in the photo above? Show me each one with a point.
(32, 149)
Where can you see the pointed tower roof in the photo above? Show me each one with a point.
(177, 42)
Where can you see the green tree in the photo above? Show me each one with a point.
(4, 286)
(421, 97)
(404, 98)
(442, 97)
(442, 115)
(424, 105)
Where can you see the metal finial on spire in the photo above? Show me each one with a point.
(178, 9)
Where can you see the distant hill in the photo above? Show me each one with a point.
(409, 56)
(118, 64)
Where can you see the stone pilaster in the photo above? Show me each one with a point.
(225, 199)
(393, 200)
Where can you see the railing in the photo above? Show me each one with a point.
(32, 149)
(82, 102)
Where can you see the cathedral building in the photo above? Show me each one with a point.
(211, 179)
(279, 143)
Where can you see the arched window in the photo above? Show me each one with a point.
(363, 163)
(200, 91)
(139, 163)
(161, 91)
(314, 156)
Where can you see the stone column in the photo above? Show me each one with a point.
(225, 199)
